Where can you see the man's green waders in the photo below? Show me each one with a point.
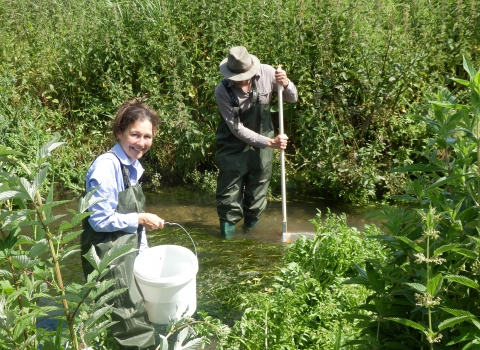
(133, 330)
(244, 170)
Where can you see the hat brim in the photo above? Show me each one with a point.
(240, 76)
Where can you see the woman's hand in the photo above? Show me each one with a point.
(279, 142)
(150, 221)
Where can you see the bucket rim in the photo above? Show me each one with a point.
(171, 281)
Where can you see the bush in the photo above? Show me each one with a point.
(305, 307)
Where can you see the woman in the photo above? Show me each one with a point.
(120, 218)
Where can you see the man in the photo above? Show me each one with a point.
(245, 136)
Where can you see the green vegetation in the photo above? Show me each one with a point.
(65, 66)
(32, 283)
(33, 260)
(426, 295)
(362, 69)
(304, 307)
(417, 286)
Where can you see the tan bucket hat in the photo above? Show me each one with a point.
(239, 65)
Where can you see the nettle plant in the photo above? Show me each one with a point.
(426, 295)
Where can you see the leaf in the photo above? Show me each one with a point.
(27, 188)
(101, 288)
(78, 218)
(461, 81)
(11, 194)
(114, 253)
(6, 275)
(48, 211)
(40, 177)
(181, 337)
(394, 345)
(109, 296)
(408, 323)
(6, 287)
(463, 280)
(47, 148)
(356, 280)
(50, 205)
(434, 284)
(361, 271)
(446, 104)
(456, 312)
(469, 68)
(92, 257)
(68, 252)
(417, 287)
(94, 331)
(374, 278)
(163, 342)
(70, 236)
(466, 252)
(410, 243)
(24, 262)
(446, 179)
(191, 345)
(97, 315)
(5, 151)
(38, 249)
(446, 248)
(88, 200)
(452, 322)
(51, 219)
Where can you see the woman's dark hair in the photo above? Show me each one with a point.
(132, 111)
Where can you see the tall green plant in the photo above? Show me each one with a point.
(426, 294)
(32, 258)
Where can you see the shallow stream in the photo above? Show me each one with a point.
(228, 268)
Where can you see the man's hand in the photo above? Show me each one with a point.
(281, 77)
(279, 142)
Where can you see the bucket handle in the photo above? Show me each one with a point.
(175, 224)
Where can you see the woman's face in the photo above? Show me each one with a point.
(137, 140)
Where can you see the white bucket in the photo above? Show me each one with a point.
(166, 275)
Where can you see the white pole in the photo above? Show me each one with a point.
(285, 235)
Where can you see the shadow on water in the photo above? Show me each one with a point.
(228, 268)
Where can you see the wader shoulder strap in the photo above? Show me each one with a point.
(254, 92)
(235, 103)
(125, 172)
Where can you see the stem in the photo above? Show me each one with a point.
(58, 273)
(428, 280)
(478, 173)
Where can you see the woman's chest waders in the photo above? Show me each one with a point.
(244, 170)
(133, 330)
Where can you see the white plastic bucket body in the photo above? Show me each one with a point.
(166, 276)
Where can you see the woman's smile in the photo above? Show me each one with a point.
(137, 140)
